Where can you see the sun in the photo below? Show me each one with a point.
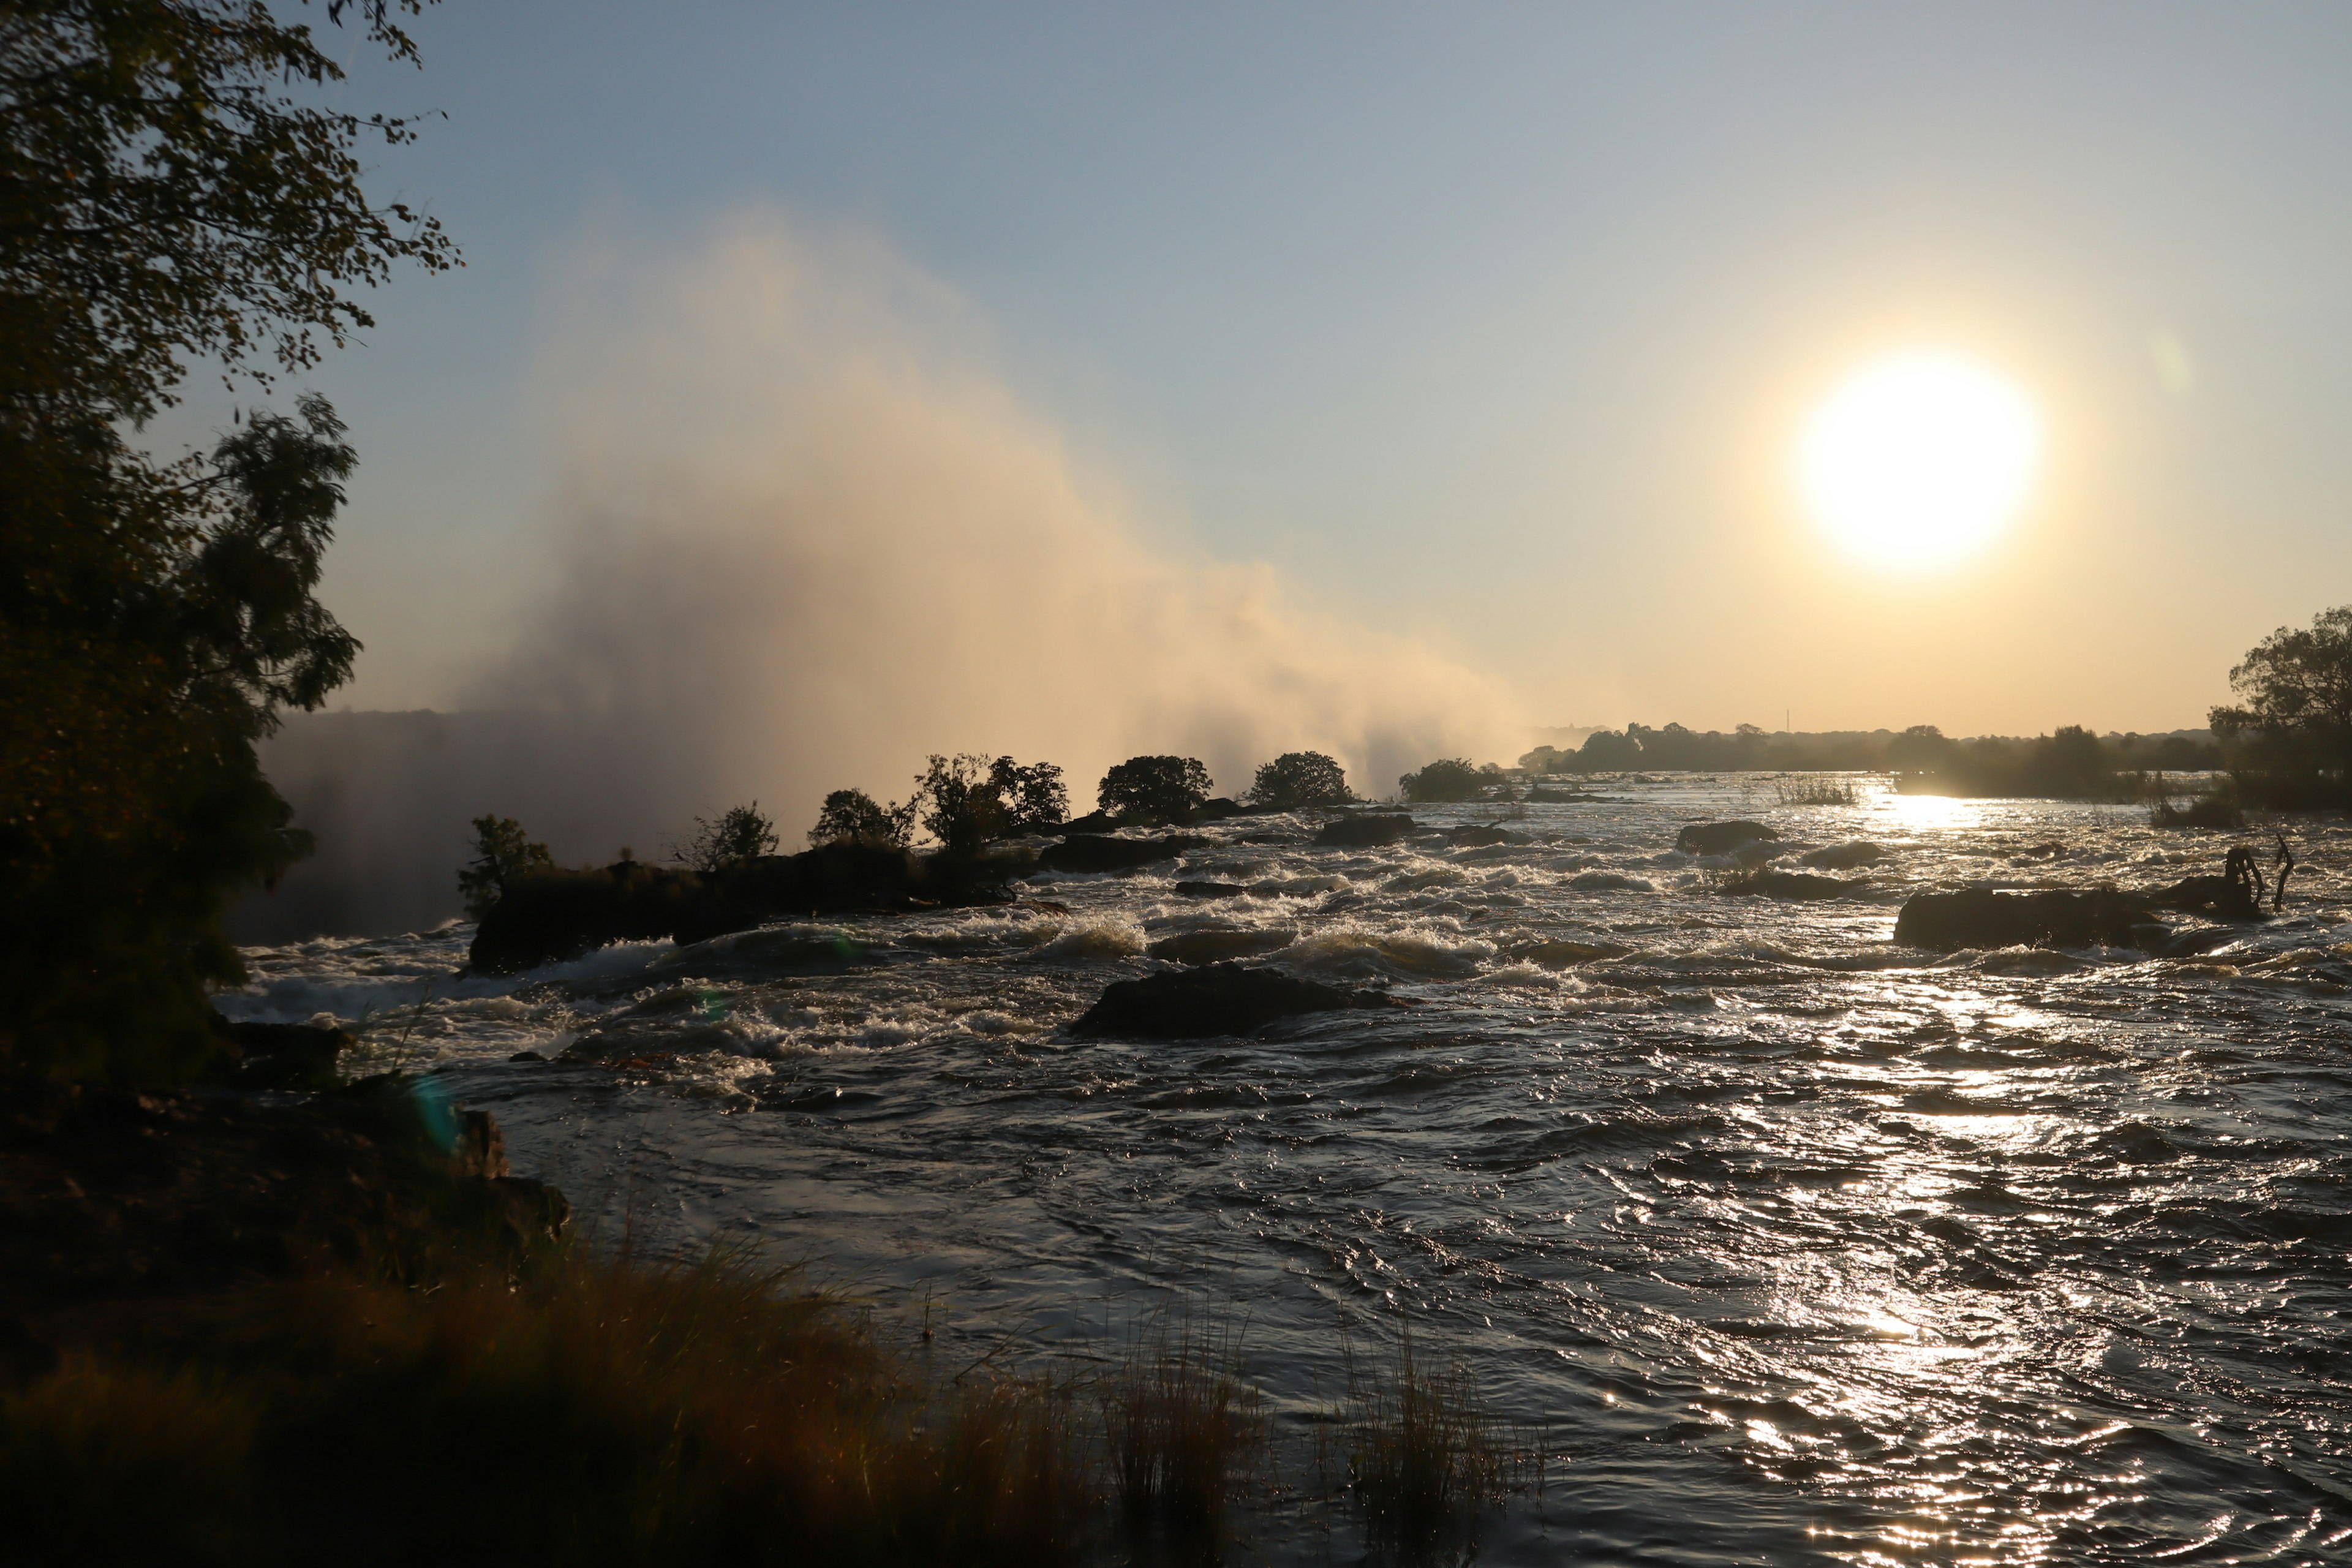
(1920, 459)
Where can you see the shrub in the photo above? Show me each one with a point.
(968, 800)
(1154, 789)
(1449, 779)
(501, 849)
(742, 834)
(853, 816)
(1297, 779)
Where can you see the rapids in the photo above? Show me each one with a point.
(1790, 1246)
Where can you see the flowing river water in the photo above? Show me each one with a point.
(1787, 1245)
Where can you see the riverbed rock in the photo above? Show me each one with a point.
(1093, 852)
(284, 1056)
(1793, 885)
(1982, 917)
(1479, 835)
(1210, 890)
(1363, 830)
(1721, 838)
(1217, 999)
(1222, 944)
(548, 917)
(1844, 857)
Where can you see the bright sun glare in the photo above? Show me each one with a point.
(1920, 459)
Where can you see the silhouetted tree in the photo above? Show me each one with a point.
(1154, 789)
(2069, 763)
(741, 833)
(1608, 751)
(1299, 779)
(853, 816)
(501, 850)
(167, 194)
(1448, 779)
(2293, 719)
(1034, 797)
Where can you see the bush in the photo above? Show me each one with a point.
(501, 849)
(968, 800)
(853, 816)
(742, 834)
(1297, 779)
(1449, 779)
(1154, 789)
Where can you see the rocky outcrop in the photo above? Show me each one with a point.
(1221, 944)
(1210, 890)
(1721, 838)
(1793, 885)
(1092, 852)
(547, 917)
(1363, 830)
(1219, 999)
(1846, 856)
(112, 1195)
(1981, 917)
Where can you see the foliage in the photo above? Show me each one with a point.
(740, 833)
(2290, 729)
(162, 198)
(966, 800)
(1153, 789)
(1182, 1428)
(1423, 1458)
(1297, 779)
(853, 816)
(501, 850)
(1448, 779)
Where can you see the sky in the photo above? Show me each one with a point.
(1489, 327)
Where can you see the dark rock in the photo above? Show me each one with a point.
(1211, 889)
(1097, 852)
(1363, 830)
(1217, 809)
(1843, 857)
(2234, 895)
(110, 1196)
(1567, 954)
(548, 917)
(1720, 837)
(1268, 838)
(1219, 999)
(526, 1057)
(285, 1055)
(1481, 834)
(1979, 917)
(1220, 945)
(2189, 942)
(1093, 821)
(1793, 885)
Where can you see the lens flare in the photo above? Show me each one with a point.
(1920, 459)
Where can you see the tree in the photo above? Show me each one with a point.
(1298, 779)
(742, 834)
(1153, 789)
(853, 816)
(2294, 715)
(501, 850)
(1034, 797)
(1449, 779)
(163, 198)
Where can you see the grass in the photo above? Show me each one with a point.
(604, 1412)
(1815, 792)
(1423, 1458)
(1182, 1432)
(2217, 809)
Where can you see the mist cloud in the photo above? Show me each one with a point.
(803, 538)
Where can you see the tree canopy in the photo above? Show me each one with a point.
(1297, 779)
(1154, 789)
(170, 192)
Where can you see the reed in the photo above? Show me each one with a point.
(2217, 808)
(1815, 792)
(1423, 1456)
(1183, 1431)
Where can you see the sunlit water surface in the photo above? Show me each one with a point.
(1795, 1247)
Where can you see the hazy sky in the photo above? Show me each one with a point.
(1491, 325)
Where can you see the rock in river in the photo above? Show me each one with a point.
(1720, 837)
(1100, 852)
(1843, 857)
(1363, 830)
(1979, 917)
(1218, 999)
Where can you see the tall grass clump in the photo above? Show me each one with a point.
(2218, 808)
(1423, 1456)
(1815, 792)
(1182, 1432)
(604, 1412)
